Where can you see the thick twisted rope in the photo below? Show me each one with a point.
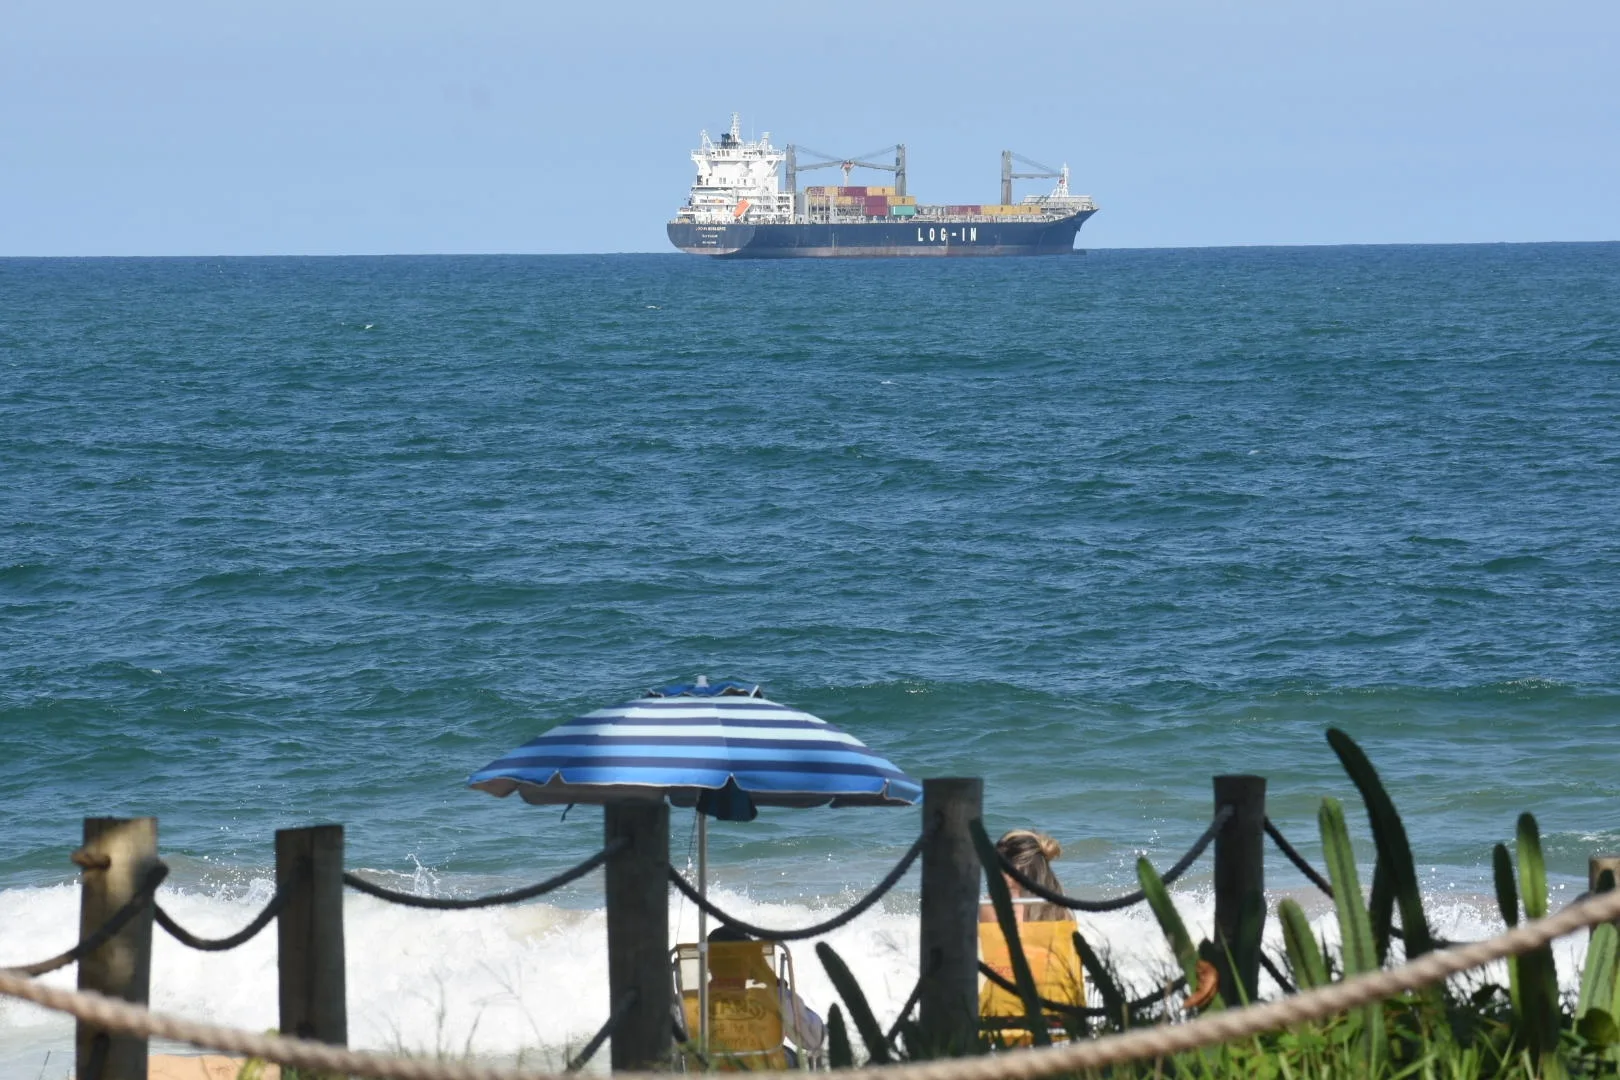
(1303, 866)
(1092, 1011)
(1129, 899)
(528, 892)
(579, 1060)
(120, 1017)
(1301, 863)
(224, 944)
(817, 930)
(242, 936)
(105, 932)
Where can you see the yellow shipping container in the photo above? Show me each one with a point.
(880, 191)
(902, 200)
(851, 200)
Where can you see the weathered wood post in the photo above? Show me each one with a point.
(1596, 866)
(1240, 884)
(309, 929)
(948, 969)
(637, 883)
(117, 856)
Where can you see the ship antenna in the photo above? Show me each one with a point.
(736, 126)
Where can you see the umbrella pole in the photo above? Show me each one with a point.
(703, 934)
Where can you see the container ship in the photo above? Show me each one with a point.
(741, 206)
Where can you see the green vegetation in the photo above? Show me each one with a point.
(1465, 1028)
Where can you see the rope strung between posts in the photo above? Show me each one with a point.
(122, 1018)
(1322, 883)
(528, 892)
(1300, 862)
(578, 1061)
(1276, 973)
(105, 932)
(242, 936)
(1092, 1011)
(1129, 899)
(817, 930)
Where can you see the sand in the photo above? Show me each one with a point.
(204, 1067)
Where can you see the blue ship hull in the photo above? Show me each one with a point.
(874, 239)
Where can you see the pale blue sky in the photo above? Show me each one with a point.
(190, 127)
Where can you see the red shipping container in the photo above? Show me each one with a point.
(861, 191)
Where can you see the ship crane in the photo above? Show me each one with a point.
(859, 161)
(1046, 173)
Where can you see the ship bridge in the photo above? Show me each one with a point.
(737, 181)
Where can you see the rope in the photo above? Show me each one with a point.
(1304, 867)
(1276, 973)
(817, 930)
(1129, 899)
(1142, 1002)
(120, 1017)
(105, 933)
(577, 1062)
(1299, 861)
(529, 892)
(242, 936)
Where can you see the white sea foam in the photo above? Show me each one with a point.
(531, 980)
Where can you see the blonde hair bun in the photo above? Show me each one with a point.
(1049, 847)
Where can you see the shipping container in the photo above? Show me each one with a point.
(852, 191)
(848, 200)
(902, 200)
(880, 191)
(902, 210)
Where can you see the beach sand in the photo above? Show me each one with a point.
(201, 1067)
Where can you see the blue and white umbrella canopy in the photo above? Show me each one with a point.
(723, 748)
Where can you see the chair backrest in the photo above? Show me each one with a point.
(1053, 961)
(745, 1006)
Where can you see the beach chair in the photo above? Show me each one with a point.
(1053, 961)
(749, 983)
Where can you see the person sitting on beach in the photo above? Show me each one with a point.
(1031, 854)
(800, 1024)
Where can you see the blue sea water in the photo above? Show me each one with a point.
(297, 540)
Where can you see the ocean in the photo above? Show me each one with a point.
(297, 540)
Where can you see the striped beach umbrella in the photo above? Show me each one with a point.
(723, 748)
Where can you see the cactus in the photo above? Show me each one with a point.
(877, 1044)
(839, 1053)
(1103, 979)
(1536, 1010)
(1164, 910)
(1001, 900)
(1304, 954)
(1355, 927)
(1394, 851)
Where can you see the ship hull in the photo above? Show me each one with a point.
(879, 239)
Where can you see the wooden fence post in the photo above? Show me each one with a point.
(309, 929)
(117, 856)
(948, 969)
(1240, 881)
(637, 884)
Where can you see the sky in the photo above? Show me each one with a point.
(184, 127)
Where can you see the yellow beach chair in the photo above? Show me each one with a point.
(1053, 961)
(748, 983)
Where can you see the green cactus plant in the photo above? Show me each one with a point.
(840, 1055)
(1536, 1010)
(1118, 1013)
(1360, 955)
(1304, 953)
(1389, 834)
(877, 1043)
(1164, 910)
(1001, 901)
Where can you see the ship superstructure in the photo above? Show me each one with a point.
(738, 207)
